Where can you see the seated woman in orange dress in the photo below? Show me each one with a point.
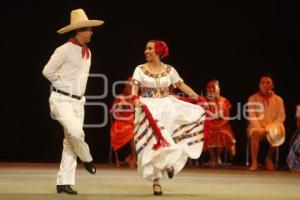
(220, 135)
(122, 129)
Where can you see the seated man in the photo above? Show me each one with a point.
(264, 108)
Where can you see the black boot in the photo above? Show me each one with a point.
(65, 189)
(170, 172)
(90, 167)
(157, 192)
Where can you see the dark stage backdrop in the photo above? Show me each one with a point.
(232, 42)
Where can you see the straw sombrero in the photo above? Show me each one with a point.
(276, 133)
(79, 20)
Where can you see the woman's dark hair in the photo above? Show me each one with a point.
(266, 75)
(74, 32)
(214, 80)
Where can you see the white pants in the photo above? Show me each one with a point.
(70, 114)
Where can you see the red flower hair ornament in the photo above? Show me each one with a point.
(161, 48)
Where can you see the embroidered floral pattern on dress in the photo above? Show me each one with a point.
(186, 136)
(195, 142)
(197, 123)
(186, 132)
(142, 121)
(145, 144)
(142, 134)
(150, 74)
(151, 92)
(147, 141)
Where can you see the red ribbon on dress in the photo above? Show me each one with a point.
(84, 50)
(161, 142)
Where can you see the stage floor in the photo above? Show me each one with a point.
(37, 181)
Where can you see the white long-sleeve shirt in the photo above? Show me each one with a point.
(262, 113)
(67, 70)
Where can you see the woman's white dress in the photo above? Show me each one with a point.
(181, 124)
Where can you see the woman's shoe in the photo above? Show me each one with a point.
(157, 192)
(170, 172)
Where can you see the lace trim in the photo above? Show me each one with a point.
(150, 74)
